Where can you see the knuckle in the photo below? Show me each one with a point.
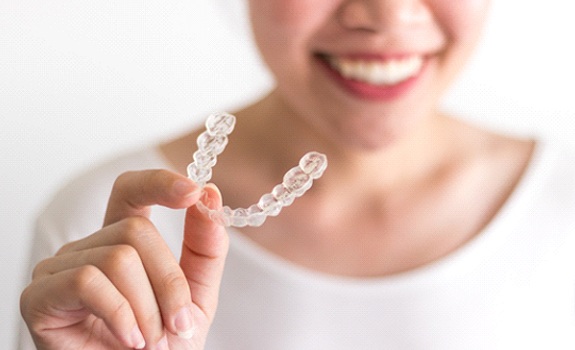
(65, 248)
(25, 300)
(122, 179)
(86, 279)
(162, 181)
(121, 309)
(151, 177)
(122, 257)
(136, 225)
(160, 175)
(118, 312)
(154, 318)
(138, 230)
(40, 268)
(30, 306)
(174, 283)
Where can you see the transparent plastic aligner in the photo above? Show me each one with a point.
(295, 183)
(211, 143)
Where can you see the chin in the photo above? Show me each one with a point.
(371, 136)
(369, 142)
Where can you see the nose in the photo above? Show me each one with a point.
(382, 15)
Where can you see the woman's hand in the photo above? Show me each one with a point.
(121, 287)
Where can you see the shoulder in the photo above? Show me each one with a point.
(77, 209)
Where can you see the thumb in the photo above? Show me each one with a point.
(204, 252)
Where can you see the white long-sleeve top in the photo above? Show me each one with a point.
(511, 287)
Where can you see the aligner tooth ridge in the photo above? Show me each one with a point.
(295, 182)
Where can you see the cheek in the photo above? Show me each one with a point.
(274, 24)
(287, 14)
(462, 20)
(284, 31)
(289, 20)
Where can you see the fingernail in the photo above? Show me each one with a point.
(207, 198)
(185, 188)
(184, 323)
(206, 201)
(162, 344)
(137, 338)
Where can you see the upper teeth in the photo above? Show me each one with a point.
(387, 72)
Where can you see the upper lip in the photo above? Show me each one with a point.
(370, 56)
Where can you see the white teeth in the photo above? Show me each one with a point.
(387, 72)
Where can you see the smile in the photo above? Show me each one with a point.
(377, 72)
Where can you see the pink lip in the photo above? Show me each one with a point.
(369, 91)
(374, 56)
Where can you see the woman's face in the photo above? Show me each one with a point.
(365, 71)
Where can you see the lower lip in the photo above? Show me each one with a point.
(369, 91)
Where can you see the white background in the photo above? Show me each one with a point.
(82, 80)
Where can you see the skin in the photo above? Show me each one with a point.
(406, 185)
(101, 291)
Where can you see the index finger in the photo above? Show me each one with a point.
(135, 191)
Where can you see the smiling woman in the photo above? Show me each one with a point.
(321, 53)
(427, 231)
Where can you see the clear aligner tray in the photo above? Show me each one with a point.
(295, 183)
